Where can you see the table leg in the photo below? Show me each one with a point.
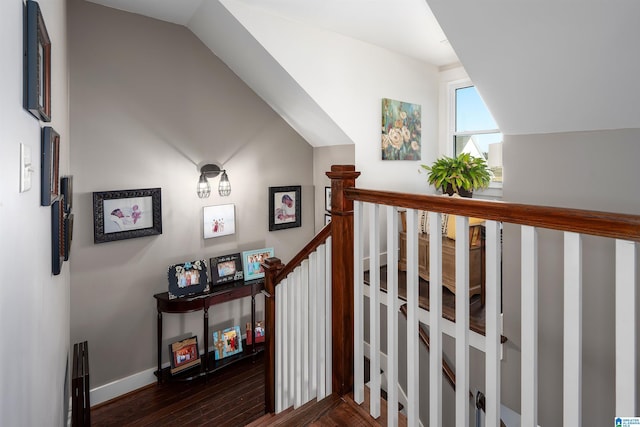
(206, 341)
(253, 322)
(159, 330)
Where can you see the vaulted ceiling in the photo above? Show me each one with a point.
(541, 67)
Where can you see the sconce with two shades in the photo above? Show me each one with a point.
(211, 171)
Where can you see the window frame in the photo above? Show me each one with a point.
(452, 133)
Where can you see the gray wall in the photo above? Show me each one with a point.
(587, 170)
(149, 103)
(34, 304)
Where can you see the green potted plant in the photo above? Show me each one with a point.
(462, 174)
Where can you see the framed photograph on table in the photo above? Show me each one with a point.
(285, 207)
(187, 278)
(226, 268)
(49, 166)
(227, 342)
(252, 262)
(126, 214)
(184, 354)
(37, 64)
(219, 220)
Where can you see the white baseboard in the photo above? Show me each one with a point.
(122, 386)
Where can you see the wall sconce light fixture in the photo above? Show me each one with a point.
(211, 171)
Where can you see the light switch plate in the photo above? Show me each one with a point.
(25, 168)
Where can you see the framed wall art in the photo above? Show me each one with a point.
(227, 342)
(37, 64)
(68, 235)
(226, 268)
(126, 214)
(66, 189)
(49, 166)
(327, 218)
(219, 220)
(327, 199)
(401, 130)
(252, 260)
(285, 207)
(187, 278)
(57, 237)
(184, 354)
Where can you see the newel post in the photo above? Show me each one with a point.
(342, 177)
(272, 266)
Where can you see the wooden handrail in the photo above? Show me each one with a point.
(318, 240)
(604, 224)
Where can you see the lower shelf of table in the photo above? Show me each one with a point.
(213, 366)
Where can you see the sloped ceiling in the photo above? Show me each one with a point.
(541, 67)
(549, 66)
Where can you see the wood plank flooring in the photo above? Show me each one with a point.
(231, 397)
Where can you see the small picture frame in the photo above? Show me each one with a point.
(184, 354)
(227, 342)
(126, 214)
(49, 166)
(37, 64)
(258, 331)
(252, 262)
(68, 235)
(187, 278)
(218, 220)
(66, 189)
(285, 207)
(226, 268)
(57, 237)
(327, 199)
(327, 218)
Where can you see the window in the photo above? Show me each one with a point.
(473, 130)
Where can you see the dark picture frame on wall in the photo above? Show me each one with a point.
(57, 237)
(37, 64)
(327, 199)
(285, 207)
(66, 189)
(68, 235)
(49, 166)
(126, 214)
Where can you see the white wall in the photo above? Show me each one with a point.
(149, 102)
(34, 304)
(347, 79)
(323, 159)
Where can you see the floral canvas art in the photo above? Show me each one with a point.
(401, 130)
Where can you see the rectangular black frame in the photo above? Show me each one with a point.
(278, 216)
(49, 166)
(66, 189)
(327, 199)
(184, 272)
(101, 235)
(221, 270)
(57, 237)
(37, 64)
(68, 235)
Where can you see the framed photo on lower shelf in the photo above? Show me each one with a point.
(259, 332)
(227, 342)
(184, 354)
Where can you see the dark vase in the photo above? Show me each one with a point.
(461, 191)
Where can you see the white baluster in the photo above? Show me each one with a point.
(413, 367)
(374, 311)
(435, 319)
(462, 321)
(322, 322)
(529, 364)
(313, 323)
(572, 352)
(392, 316)
(297, 336)
(280, 310)
(493, 327)
(329, 336)
(626, 329)
(304, 326)
(358, 298)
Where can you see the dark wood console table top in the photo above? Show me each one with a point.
(217, 294)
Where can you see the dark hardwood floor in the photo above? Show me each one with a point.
(233, 396)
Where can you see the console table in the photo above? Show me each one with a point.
(203, 301)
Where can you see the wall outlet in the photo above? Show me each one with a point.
(26, 168)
